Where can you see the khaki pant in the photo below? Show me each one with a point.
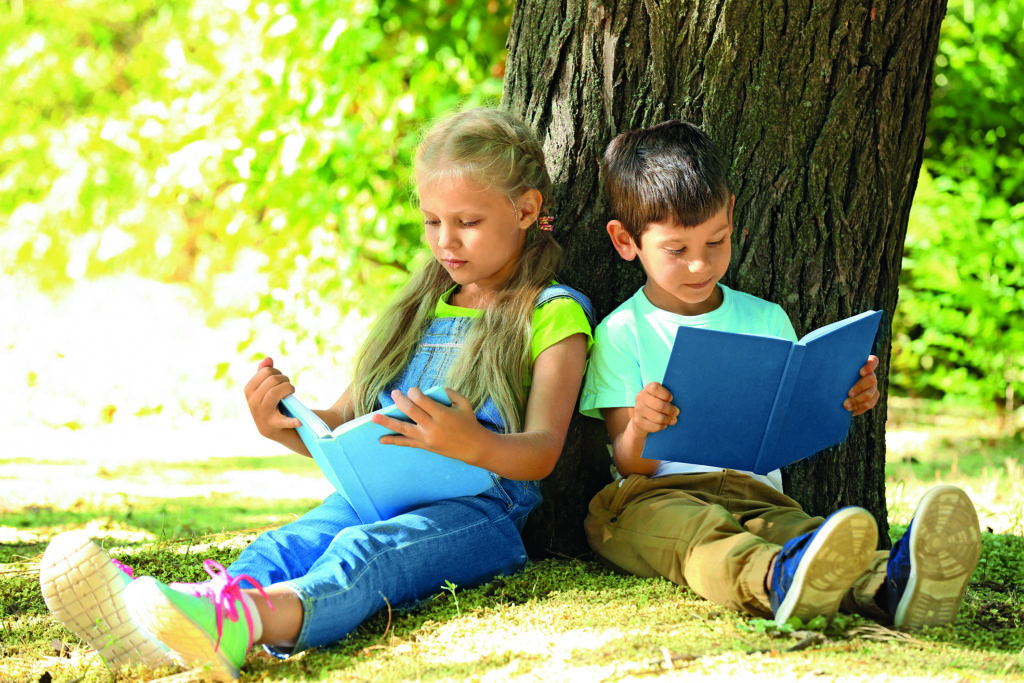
(715, 532)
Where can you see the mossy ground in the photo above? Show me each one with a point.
(557, 619)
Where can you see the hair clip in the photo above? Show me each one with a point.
(547, 223)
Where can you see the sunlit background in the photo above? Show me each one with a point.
(188, 186)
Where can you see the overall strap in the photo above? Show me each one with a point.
(560, 291)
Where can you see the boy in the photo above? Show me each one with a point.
(733, 537)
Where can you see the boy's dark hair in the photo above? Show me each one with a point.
(671, 170)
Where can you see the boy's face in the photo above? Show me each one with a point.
(683, 264)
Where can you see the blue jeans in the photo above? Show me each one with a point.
(344, 572)
(435, 353)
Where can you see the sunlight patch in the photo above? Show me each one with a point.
(470, 639)
(13, 536)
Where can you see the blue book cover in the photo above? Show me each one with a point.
(383, 481)
(755, 403)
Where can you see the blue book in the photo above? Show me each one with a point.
(383, 481)
(757, 403)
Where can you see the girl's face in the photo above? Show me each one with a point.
(476, 233)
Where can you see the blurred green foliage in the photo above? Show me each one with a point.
(959, 326)
(260, 152)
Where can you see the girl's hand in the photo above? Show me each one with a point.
(263, 392)
(452, 431)
(864, 394)
(653, 410)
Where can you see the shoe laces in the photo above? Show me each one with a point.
(224, 591)
(123, 567)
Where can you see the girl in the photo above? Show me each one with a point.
(483, 319)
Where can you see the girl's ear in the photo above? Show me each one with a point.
(529, 205)
(621, 240)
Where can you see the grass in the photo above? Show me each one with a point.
(557, 619)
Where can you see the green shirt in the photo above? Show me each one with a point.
(554, 321)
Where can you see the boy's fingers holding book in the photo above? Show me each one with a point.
(653, 421)
(654, 410)
(656, 398)
(658, 391)
(869, 367)
(863, 396)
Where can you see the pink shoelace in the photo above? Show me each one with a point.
(223, 590)
(123, 567)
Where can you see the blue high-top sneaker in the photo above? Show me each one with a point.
(814, 571)
(929, 567)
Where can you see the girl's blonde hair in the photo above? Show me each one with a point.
(497, 150)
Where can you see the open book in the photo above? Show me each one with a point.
(383, 481)
(756, 403)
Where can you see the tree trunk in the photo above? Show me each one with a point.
(820, 109)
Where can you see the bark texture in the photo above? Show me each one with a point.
(820, 109)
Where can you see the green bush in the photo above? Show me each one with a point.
(957, 331)
(259, 151)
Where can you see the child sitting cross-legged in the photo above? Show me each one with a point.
(733, 537)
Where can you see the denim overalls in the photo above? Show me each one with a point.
(343, 571)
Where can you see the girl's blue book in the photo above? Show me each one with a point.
(383, 481)
(756, 403)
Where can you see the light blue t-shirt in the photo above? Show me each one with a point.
(633, 343)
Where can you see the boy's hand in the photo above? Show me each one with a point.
(653, 410)
(263, 392)
(452, 431)
(864, 394)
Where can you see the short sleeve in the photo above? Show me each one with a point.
(556, 320)
(614, 376)
(783, 325)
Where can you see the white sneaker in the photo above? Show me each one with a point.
(83, 588)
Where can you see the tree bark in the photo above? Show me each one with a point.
(820, 109)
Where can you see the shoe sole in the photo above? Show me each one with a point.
(155, 612)
(839, 554)
(84, 590)
(945, 543)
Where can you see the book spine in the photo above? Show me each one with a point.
(768, 457)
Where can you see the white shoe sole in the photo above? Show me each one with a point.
(83, 589)
(945, 543)
(155, 612)
(838, 556)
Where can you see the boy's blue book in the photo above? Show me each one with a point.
(383, 481)
(757, 403)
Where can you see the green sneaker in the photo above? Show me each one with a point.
(84, 589)
(200, 622)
